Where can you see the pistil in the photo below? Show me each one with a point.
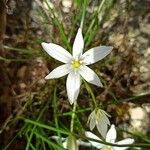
(76, 63)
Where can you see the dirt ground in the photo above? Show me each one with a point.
(22, 74)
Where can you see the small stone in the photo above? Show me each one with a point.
(146, 106)
(145, 28)
(22, 72)
(67, 3)
(147, 53)
(142, 40)
(135, 69)
(22, 85)
(143, 69)
(138, 116)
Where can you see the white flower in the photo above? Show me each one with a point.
(76, 64)
(99, 119)
(110, 138)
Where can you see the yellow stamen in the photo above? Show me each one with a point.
(108, 148)
(76, 64)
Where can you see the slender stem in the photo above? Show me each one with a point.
(55, 114)
(90, 92)
(73, 116)
(83, 14)
(101, 6)
(91, 26)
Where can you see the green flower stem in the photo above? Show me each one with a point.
(55, 114)
(73, 116)
(90, 92)
(93, 22)
(101, 6)
(83, 14)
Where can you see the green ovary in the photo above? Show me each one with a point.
(76, 64)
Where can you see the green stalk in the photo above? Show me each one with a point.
(73, 116)
(103, 7)
(44, 126)
(55, 114)
(90, 92)
(83, 13)
(48, 141)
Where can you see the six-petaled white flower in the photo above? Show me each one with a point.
(110, 138)
(76, 64)
(99, 118)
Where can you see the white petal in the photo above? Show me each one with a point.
(65, 144)
(59, 71)
(90, 76)
(78, 44)
(95, 54)
(105, 116)
(93, 136)
(92, 121)
(102, 122)
(73, 86)
(125, 141)
(57, 52)
(102, 128)
(119, 148)
(111, 134)
(107, 147)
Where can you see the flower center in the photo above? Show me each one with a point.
(76, 63)
(108, 148)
